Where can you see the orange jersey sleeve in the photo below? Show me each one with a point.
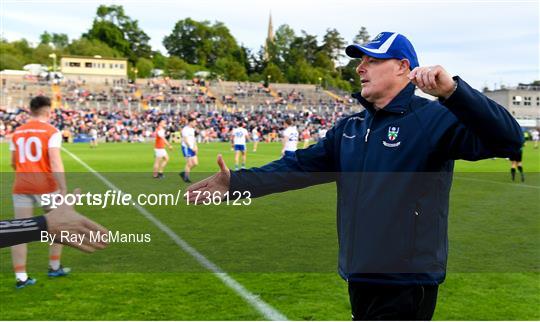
(30, 144)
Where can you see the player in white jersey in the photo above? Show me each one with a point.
(93, 137)
(535, 137)
(189, 149)
(255, 136)
(290, 139)
(322, 133)
(239, 137)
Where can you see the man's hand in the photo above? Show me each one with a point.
(219, 182)
(65, 218)
(433, 80)
(170, 147)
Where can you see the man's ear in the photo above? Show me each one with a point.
(404, 67)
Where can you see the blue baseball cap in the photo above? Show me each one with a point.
(385, 46)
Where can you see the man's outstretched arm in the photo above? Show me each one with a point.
(311, 166)
(484, 128)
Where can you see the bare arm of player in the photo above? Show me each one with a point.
(219, 182)
(195, 148)
(13, 160)
(57, 167)
(231, 136)
(169, 146)
(65, 218)
(433, 80)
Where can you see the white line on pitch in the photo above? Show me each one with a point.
(262, 307)
(515, 184)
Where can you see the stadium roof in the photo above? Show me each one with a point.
(94, 57)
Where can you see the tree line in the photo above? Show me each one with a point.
(198, 46)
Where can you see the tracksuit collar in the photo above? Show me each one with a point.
(398, 105)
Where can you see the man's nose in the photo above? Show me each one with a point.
(360, 69)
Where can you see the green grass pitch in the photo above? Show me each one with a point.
(282, 248)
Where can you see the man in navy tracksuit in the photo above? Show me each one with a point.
(393, 165)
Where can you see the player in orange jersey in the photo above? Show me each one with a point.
(35, 157)
(159, 148)
(306, 137)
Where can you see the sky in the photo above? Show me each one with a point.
(487, 43)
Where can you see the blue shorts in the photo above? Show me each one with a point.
(289, 154)
(239, 147)
(187, 152)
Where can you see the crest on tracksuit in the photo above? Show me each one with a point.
(393, 133)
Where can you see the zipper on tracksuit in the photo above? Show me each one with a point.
(369, 127)
(413, 231)
(367, 135)
(361, 175)
(366, 138)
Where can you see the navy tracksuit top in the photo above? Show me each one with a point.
(393, 170)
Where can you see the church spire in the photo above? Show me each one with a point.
(269, 38)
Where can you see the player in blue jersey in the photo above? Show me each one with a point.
(239, 138)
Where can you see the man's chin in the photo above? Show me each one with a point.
(366, 94)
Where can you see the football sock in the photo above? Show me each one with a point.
(54, 262)
(20, 273)
(21, 276)
(513, 172)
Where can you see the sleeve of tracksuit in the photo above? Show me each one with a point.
(20, 231)
(484, 128)
(311, 166)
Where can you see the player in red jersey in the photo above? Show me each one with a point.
(35, 157)
(159, 149)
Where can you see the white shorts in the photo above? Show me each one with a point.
(29, 201)
(160, 153)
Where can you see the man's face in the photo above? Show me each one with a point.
(377, 76)
(192, 123)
